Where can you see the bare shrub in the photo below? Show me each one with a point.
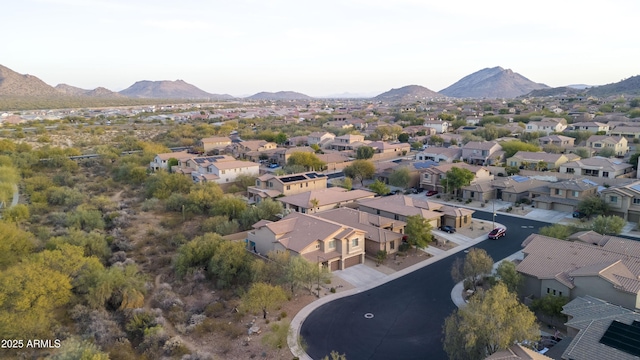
(98, 325)
(165, 298)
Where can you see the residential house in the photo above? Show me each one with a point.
(564, 268)
(334, 160)
(594, 327)
(382, 234)
(346, 142)
(629, 132)
(598, 166)
(383, 147)
(213, 143)
(482, 152)
(434, 178)
(440, 126)
(623, 201)
(399, 207)
(198, 164)
(556, 140)
(546, 125)
(314, 201)
(222, 172)
(271, 186)
(600, 142)
(515, 188)
(252, 149)
(318, 240)
(321, 139)
(161, 161)
(440, 154)
(537, 160)
(564, 195)
(280, 156)
(591, 126)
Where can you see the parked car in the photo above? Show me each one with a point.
(497, 233)
(273, 166)
(447, 228)
(431, 192)
(579, 215)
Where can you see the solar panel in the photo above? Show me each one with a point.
(292, 178)
(519, 179)
(636, 187)
(312, 175)
(623, 337)
(587, 181)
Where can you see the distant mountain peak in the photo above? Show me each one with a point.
(166, 89)
(280, 95)
(409, 93)
(495, 82)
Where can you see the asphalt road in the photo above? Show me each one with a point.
(408, 313)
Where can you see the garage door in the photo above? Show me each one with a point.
(633, 217)
(335, 266)
(563, 207)
(355, 260)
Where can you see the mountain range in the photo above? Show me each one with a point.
(493, 82)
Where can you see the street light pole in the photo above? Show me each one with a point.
(494, 213)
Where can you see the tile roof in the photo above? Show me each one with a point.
(368, 222)
(326, 196)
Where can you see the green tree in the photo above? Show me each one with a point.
(346, 183)
(633, 160)
(608, 225)
(512, 147)
(15, 244)
(607, 152)
(418, 231)
(476, 264)
(230, 206)
(557, 231)
(593, 206)
(360, 170)
(196, 253)
(162, 184)
(550, 305)
(379, 187)
(230, 264)
(583, 152)
(309, 160)
(365, 152)
(400, 177)
(244, 181)
(457, 178)
(403, 138)
(281, 138)
(118, 288)
(17, 213)
(508, 274)
(263, 297)
(491, 322)
(202, 199)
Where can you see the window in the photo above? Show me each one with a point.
(605, 174)
(332, 244)
(554, 291)
(257, 182)
(597, 145)
(548, 290)
(558, 191)
(307, 184)
(613, 199)
(560, 293)
(354, 242)
(570, 170)
(288, 187)
(377, 212)
(636, 201)
(223, 171)
(576, 194)
(392, 245)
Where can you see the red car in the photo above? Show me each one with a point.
(497, 233)
(431, 192)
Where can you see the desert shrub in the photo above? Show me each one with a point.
(64, 196)
(98, 325)
(175, 347)
(215, 310)
(165, 298)
(277, 335)
(74, 348)
(150, 204)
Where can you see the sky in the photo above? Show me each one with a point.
(317, 47)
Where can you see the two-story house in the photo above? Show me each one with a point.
(382, 234)
(314, 201)
(482, 152)
(618, 144)
(198, 164)
(629, 132)
(334, 245)
(623, 201)
(346, 142)
(214, 143)
(563, 195)
(320, 138)
(161, 161)
(546, 125)
(440, 126)
(225, 171)
(271, 186)
(598, 166)
(434, 177)
(252, 149)
(590, 126)
(440, 154)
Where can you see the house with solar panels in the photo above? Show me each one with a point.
(272, 186)
(598, 166)
(623, 201)
(597, 329)
(220, 169)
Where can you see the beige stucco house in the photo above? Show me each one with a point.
(598, 166)
(314, 201)
(334, 245)
(537, 160)
(618, 144)
(623, 200)
(271, 186)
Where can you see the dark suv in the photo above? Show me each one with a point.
(449, 229)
